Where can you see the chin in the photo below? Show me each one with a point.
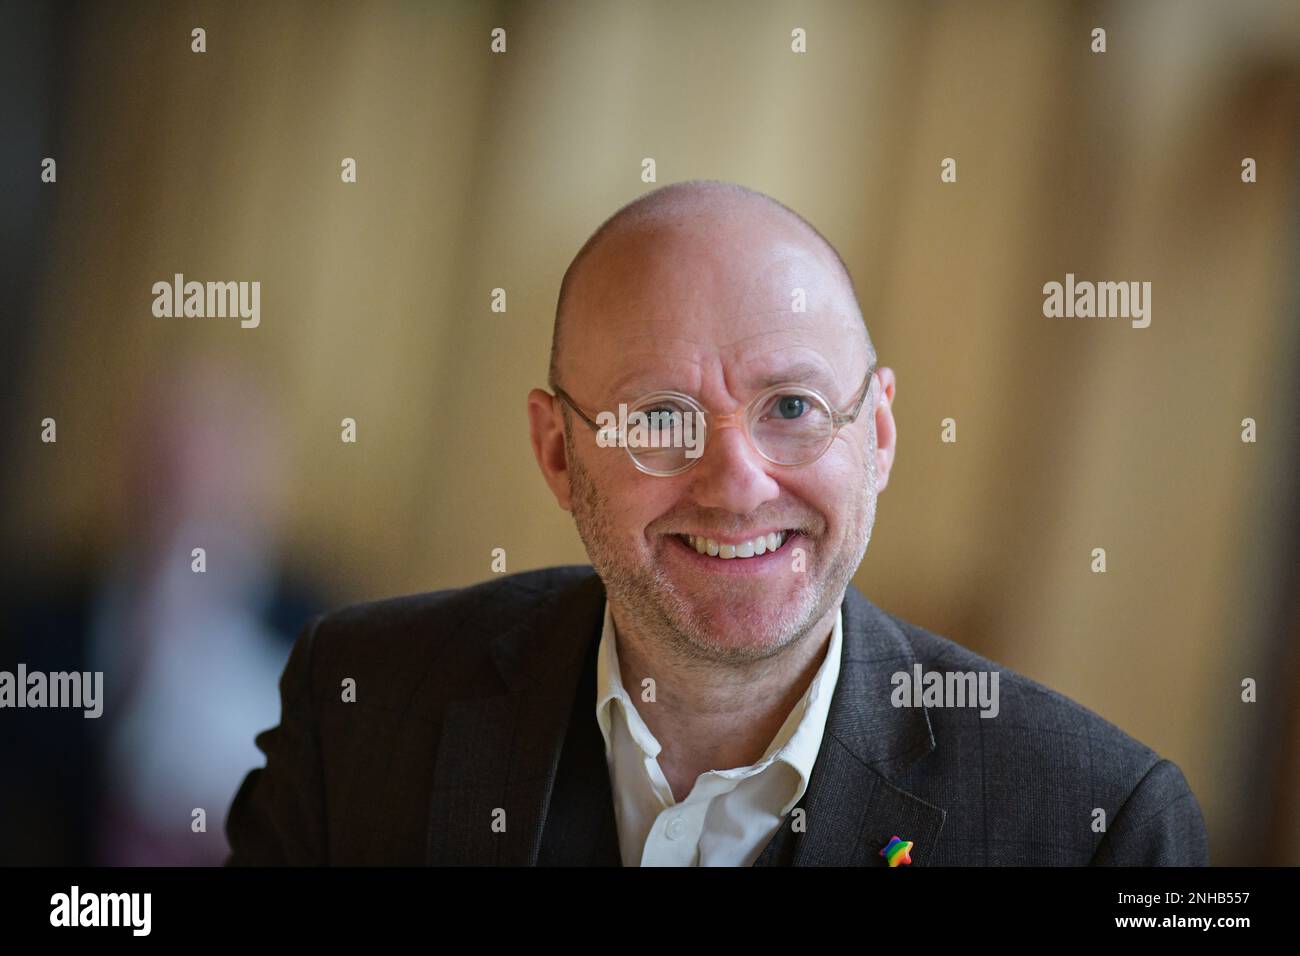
(730, 627)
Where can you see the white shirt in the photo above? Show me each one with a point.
(730, 815)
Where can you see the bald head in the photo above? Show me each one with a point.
(695, 208)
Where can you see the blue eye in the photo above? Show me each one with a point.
(791, 406)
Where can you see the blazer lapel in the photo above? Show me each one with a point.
(580, 827)
(851, 806)
(498, 756)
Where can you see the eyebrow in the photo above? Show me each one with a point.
(800, 373)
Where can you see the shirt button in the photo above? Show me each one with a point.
(676, 828)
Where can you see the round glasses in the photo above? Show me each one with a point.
(664, 433)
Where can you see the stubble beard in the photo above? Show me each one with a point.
(659, 612)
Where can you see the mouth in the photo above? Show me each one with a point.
(737, 550)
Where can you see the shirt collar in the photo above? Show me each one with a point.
(609, 687)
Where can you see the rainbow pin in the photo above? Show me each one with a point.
(897, 851)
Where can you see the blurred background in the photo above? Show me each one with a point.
(478, 171)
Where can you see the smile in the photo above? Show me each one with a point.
(751, 548)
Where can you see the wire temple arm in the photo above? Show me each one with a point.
(564, 397)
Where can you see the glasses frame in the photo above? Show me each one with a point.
(738, 419)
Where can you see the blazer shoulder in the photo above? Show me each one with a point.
(1057, 750)
(1024, 703)
(1034, 727)
(453, 621)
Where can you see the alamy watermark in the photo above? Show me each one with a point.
(946, 689)
(178, 298)
(1103, 300)
(658, 428)
(75, 908)
(83, 689)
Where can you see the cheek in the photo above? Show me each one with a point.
(838, 490)
(854, 446)
(634, 500)
(853, 461)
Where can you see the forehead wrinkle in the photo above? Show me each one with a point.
(829, 320)
(657, 333)
(806, 340)
(804, 363)
(807, 368)
(740, 377)
(805, 335)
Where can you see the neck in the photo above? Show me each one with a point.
(710, 716)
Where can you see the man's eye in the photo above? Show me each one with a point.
(790, 406)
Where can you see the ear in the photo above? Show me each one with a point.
(546, 429)
(886, 431)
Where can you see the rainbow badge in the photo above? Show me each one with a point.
(897, 851)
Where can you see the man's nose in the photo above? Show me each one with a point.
(731, 474)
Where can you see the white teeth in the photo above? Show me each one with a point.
(746, 549)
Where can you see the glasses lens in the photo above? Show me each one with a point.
(792, 427)
(664, 434)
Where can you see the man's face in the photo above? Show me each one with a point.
(706, 310)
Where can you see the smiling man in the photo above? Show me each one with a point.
(713, 690)
(725, 576)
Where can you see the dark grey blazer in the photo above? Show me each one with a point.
(482, 698)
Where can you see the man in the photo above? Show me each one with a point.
(715, 692)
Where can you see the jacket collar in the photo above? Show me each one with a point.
(498, 755)
(854, 804)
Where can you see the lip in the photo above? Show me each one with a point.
(767, 563)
